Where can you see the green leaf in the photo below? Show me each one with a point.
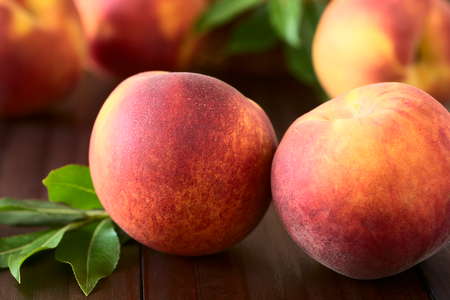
(72, 184)
(312, 12)
(224, 11)
(36, 213)
(253, 34)
(49, 240)
(299, 59)
(15, 244)
(285, 17)
(92, 251)
(300, 66)
(299, 63)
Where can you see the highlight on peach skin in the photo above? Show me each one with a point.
(362, 182)
(181, 162)
(359, 42)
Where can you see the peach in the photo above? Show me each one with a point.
(181, 162)
(359, 42)
(362, 182)
(128, 37)
(42, 52)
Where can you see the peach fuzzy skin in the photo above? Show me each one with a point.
(42, 52)
(182, 161)
(128, 37)
(362, 182)
(359, 42)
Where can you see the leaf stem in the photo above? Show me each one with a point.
(98, 213)
(59, 211)
(91, 216)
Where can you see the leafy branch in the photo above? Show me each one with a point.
(266, 24)
(81, 231)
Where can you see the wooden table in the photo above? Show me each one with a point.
(266, 265)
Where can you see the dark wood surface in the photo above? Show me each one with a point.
(266, 265)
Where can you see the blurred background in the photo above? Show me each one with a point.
(52, 53)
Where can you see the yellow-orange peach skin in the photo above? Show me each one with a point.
(42, 51)
(181, 162)
(362, 182)
(360, 42)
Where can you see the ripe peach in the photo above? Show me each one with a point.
(360, 42)
(181, 162)
(128, 37)
(362, 182)
(42, 51)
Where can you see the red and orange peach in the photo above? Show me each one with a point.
(359, 42)
(362, 182)
(128, 37)
(181, 162)
(42, 52)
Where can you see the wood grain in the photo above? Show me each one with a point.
(265, 265)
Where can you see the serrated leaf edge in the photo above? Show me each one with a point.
(95, 233)
(40, 248)
(19, 235)
(97, 229)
